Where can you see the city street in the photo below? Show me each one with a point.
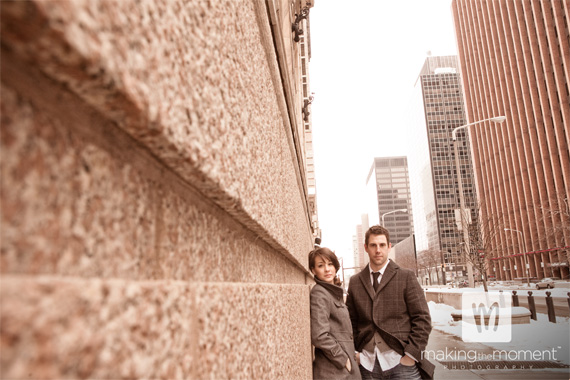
(561, 308)
(559, 296)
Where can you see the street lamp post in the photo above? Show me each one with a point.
(524, 255)
(498, 119)
(393, 211)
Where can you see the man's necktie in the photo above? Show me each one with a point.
(375, 283)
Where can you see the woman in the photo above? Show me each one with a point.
(331, 330)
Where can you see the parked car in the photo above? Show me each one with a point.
(463, 283)
(547, 282)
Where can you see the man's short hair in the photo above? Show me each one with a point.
(377, 230)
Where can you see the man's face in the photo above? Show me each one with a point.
(377, 249)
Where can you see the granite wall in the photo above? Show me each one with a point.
(154, 218)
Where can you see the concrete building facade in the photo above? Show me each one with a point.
(404, 254)
(389, 183)
(362, 258)
(355, 251)
(155, 189)
(515, 62)
(307, 132)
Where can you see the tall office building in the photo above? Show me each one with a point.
(388, 182)
(515, 62)
(355, 260)
(362, 257)
(440, 93)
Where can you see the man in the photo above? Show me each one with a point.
(389, 314)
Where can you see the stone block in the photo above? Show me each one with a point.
(92, 205)
(189, 81)
(55, 328)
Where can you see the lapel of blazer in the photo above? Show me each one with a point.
(365, 278)
(389, 273)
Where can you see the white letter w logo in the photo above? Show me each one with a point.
(486, 314)
(480, 309)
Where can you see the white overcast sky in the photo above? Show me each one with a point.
(366, 57)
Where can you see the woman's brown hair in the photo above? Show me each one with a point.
(325, 253)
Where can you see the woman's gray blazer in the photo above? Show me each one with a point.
(331, 333)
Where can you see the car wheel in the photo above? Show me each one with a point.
(548, 286)
(538, 287)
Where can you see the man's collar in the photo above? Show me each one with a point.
(381, 270)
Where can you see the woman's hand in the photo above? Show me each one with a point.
(348, 365)
(357, 358)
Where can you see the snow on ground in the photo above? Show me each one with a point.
(540, 335)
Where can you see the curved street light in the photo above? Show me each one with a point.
(496, 119)
(393, 211)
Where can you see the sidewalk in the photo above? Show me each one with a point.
(455, 349)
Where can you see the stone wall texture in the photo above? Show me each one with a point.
(154, 218)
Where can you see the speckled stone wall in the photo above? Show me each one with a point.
(116, 329)
(153, 218)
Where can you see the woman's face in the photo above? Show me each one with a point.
(324, 270)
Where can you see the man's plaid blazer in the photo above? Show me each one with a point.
(398, 311)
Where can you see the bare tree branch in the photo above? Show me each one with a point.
(481, 244)
(430, 260)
